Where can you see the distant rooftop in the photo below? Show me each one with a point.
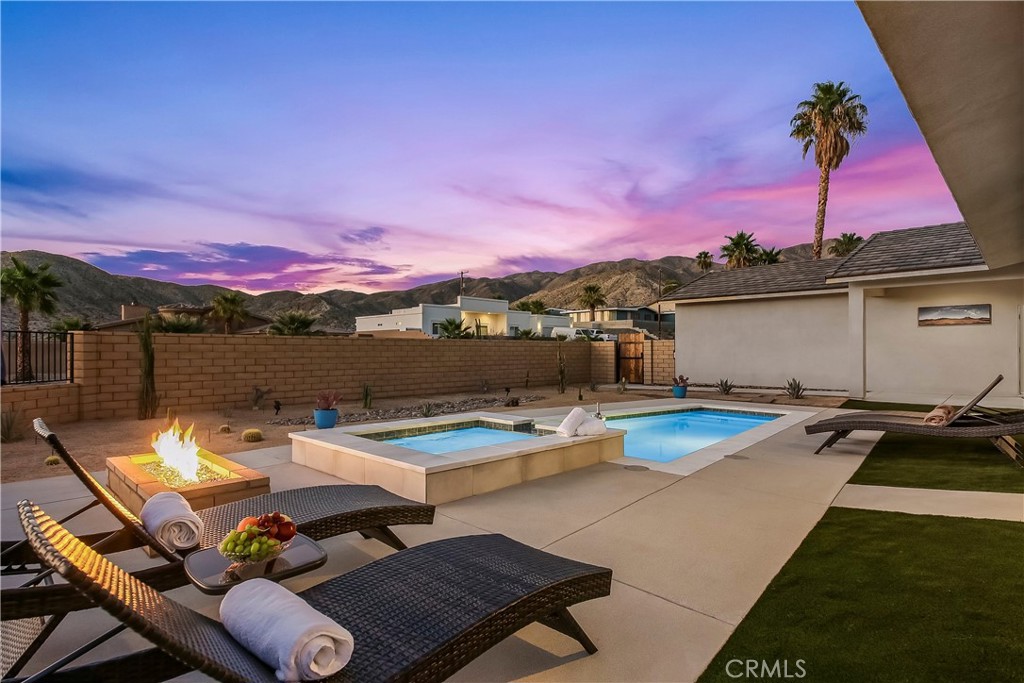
(932, 247)
(795, 276)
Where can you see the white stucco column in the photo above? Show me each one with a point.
(856, 343)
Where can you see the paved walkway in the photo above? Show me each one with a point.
(690, 554)
(976, 504)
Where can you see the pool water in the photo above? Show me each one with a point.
(669, 436)
(458, 439)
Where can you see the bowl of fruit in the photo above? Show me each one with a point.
(258, 539)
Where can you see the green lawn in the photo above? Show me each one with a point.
(885, 596)
(927, 462)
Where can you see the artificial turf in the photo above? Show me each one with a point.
(886, 596)
(926, 462)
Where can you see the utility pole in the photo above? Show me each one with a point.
(462, 283)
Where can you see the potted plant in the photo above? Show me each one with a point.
(326, 415)
(679, 385)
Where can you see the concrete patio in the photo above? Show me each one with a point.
(690, 554)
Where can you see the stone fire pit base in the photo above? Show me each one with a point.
(134, 485)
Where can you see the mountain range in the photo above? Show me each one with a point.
(95, 295)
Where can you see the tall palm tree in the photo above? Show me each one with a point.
(828, 122)
(453, 328)
(292, 324)
(766, 257)
(535, 306)
(845, 244)
(705, 260)
(32, 290)
(741, 250)
(592, 298)
(229, 308)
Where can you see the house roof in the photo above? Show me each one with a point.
(794, 276)
(933, 247)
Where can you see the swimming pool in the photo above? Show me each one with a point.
(458, 439)
(665, 437)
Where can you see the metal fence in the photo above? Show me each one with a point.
(50, 357)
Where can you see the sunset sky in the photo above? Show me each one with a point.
(374, 146)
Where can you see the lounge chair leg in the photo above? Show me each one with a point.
(563, 622)
(1009, 446)
(831, 440)
(385, 536)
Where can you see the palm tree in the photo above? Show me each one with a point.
(181, 323)
(292, 324)
(705, 261)
(526, 333)
(453, 328)
(766, 257)
(230, 309)
(669, 286)
(828, 121)
(535, 306)
(845, 244)
(741, 250)
(69, 324)
(31, 289)
(592, 298)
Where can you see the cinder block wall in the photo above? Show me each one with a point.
(659, 361)
(602, 362)
(55, 403)
(212, 371)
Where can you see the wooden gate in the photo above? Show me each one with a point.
(631, 357)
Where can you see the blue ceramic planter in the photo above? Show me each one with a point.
(679, 392)
(325, 419)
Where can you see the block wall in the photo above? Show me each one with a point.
(55, 403)
(212, 371)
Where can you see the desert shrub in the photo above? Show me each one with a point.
(794, 389)
(725, 386)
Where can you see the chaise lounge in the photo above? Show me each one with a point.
(319, 512)
(418, 615)
(971, 421)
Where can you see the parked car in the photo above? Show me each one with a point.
(571, 333)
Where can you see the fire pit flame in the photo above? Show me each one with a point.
(179, 450)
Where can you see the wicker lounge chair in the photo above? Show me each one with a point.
(418, 615)
(971, 421)
(319, 512)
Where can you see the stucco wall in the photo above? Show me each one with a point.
(764, 342)
(905, 362)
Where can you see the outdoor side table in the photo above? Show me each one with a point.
(209, 571)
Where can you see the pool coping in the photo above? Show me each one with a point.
(352, 440)
(690, 463)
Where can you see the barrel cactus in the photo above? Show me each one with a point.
(252, 435)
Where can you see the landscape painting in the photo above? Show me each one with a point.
(972, 314)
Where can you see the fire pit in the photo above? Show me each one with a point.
(179, 464)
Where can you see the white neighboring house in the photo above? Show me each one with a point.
(864, 324)
(492, 317)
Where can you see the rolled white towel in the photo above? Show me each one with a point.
(169, 517)
(592, 426)
(939, 415)
(282, 630)
(571, 422)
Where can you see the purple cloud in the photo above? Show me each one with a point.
(364, 236)
(254, 267)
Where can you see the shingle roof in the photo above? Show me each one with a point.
(932, 247)
(795, 276)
